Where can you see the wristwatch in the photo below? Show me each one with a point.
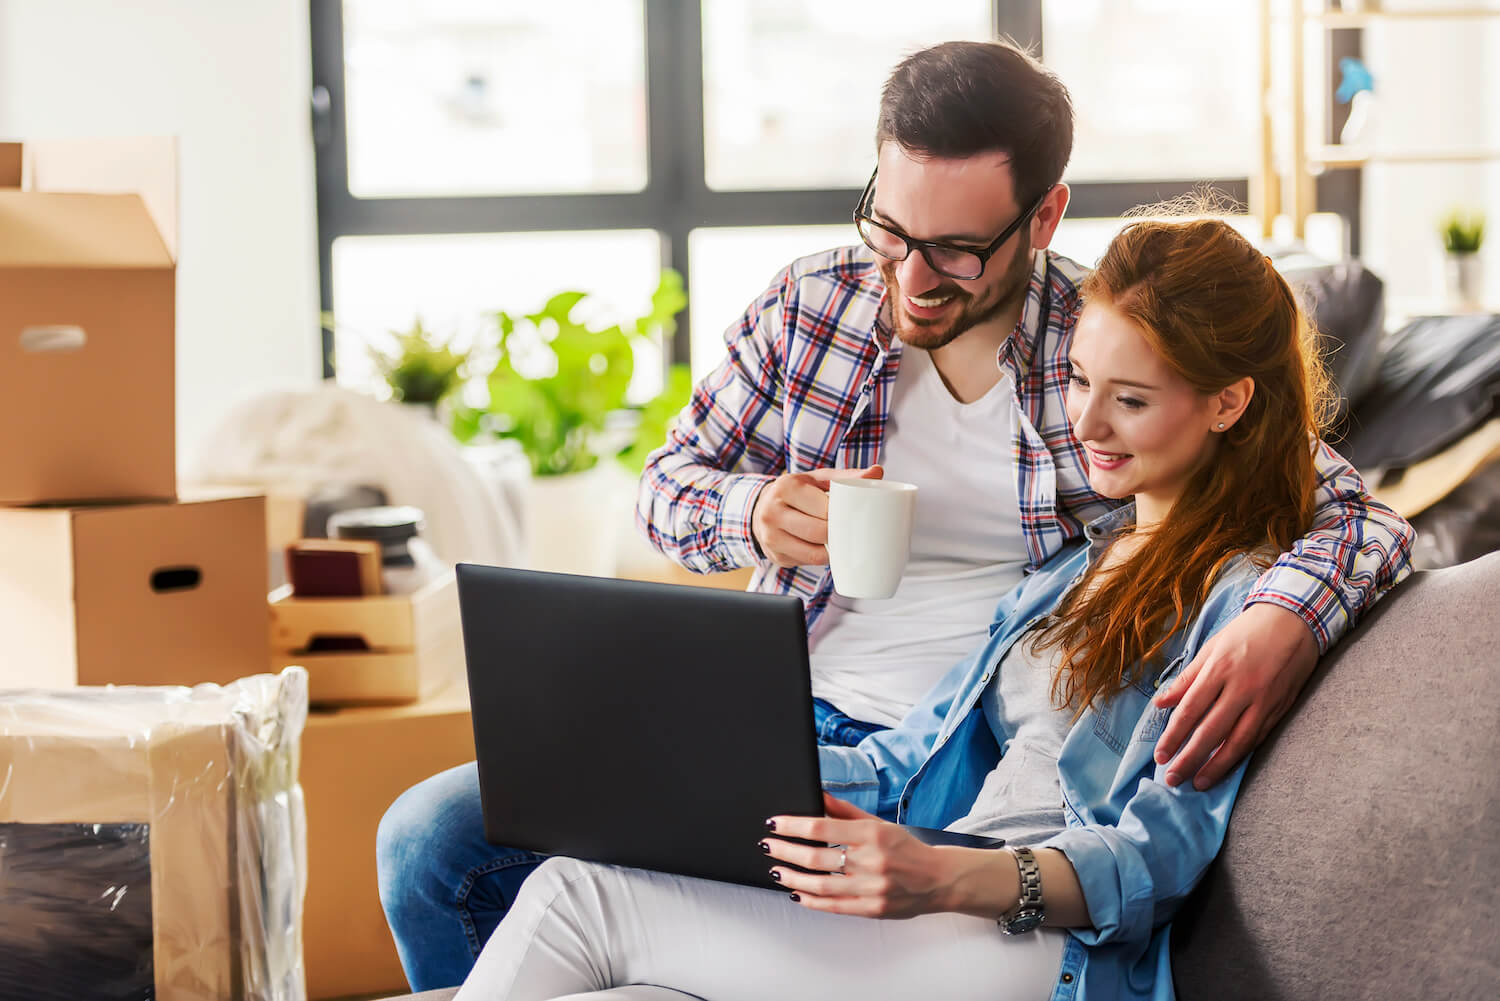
(1029, 916)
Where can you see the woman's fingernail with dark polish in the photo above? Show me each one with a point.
(776, 875)
(765, 847)
(795, 898)
(771, 824)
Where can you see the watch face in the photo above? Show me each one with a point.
(1023, 922)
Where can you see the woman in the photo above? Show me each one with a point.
(1196, 391)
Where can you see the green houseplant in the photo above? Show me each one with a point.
(1462, 232)
(420, 367)
(1463, 235)
(558, 379)
(655, 415)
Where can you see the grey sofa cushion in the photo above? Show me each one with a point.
(1346, 303)
(1364, 854)
(1439, 379)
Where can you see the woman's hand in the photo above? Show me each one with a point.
(878, 870)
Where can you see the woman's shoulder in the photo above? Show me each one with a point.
(1233, 583)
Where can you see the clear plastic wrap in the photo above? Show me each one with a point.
(153, 842)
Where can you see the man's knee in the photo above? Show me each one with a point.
(420, 828)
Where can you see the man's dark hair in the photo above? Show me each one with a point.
(960, 99)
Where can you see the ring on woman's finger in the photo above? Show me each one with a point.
(843, 862)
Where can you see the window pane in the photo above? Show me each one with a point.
(1085, 240)
(731, 266)
(791, 89)
(465, 97)
(455, 283)
(1161, 88)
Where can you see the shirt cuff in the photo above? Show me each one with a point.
(736, 539)
(848, 773)
(1317, 604)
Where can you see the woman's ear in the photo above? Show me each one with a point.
(1230, 403)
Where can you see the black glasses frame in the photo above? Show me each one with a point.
(923, 247)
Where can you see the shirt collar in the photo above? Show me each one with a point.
(1020, 347)
(1103, 529)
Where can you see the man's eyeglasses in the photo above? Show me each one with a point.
(963, 263)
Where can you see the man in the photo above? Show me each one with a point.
(937, 349)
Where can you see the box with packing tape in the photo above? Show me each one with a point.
(153, 842)
(384, 649)
(133, 594)
(88, 255)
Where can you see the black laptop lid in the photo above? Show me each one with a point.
(641, 724)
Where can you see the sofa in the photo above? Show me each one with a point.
(1363, 860)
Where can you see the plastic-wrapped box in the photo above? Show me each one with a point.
(153, 842)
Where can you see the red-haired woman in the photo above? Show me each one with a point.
(1196, 391)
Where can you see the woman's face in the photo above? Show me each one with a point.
(1143, 427)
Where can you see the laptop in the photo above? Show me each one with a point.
(640, 724)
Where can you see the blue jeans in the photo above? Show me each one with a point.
(445, 888)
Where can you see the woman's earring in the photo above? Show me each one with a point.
(1221, 425)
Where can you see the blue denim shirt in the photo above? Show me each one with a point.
(1137, 845)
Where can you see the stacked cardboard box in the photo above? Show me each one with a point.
(106, 576)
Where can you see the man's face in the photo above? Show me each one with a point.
(966, 202)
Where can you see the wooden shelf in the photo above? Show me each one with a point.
(1345, 156)
(1359, 19)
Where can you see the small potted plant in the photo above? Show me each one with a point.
(1463, 235)
(420, 367)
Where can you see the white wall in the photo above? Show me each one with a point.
(1438, 87)
(230, 78)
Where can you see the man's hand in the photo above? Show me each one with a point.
(1234, 692)
(790, 519)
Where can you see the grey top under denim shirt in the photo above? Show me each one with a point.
(1137, 845)
(1021, 799)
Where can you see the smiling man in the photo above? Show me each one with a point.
(937, 352)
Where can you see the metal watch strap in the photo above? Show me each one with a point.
(1029, 912)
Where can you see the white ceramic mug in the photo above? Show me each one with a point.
(869, 535)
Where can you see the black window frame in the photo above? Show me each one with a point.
(676, 199)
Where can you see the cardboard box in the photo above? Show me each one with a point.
(145, 594)
(87, 308)
(355, 762)
(204, 785)
(414, 644)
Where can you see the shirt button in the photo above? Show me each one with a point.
(1067, 978)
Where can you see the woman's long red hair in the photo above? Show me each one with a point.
(1216, 311)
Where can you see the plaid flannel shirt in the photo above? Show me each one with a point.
(807, 384)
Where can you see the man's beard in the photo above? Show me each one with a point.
(929, 335)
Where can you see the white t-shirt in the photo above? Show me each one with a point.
(874, 659)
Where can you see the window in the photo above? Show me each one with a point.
(763, 58)
(454, 283)
(733, 265)
(1152, 81)
(457, 97)
(482, 154)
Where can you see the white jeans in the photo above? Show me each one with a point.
(579, 927)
